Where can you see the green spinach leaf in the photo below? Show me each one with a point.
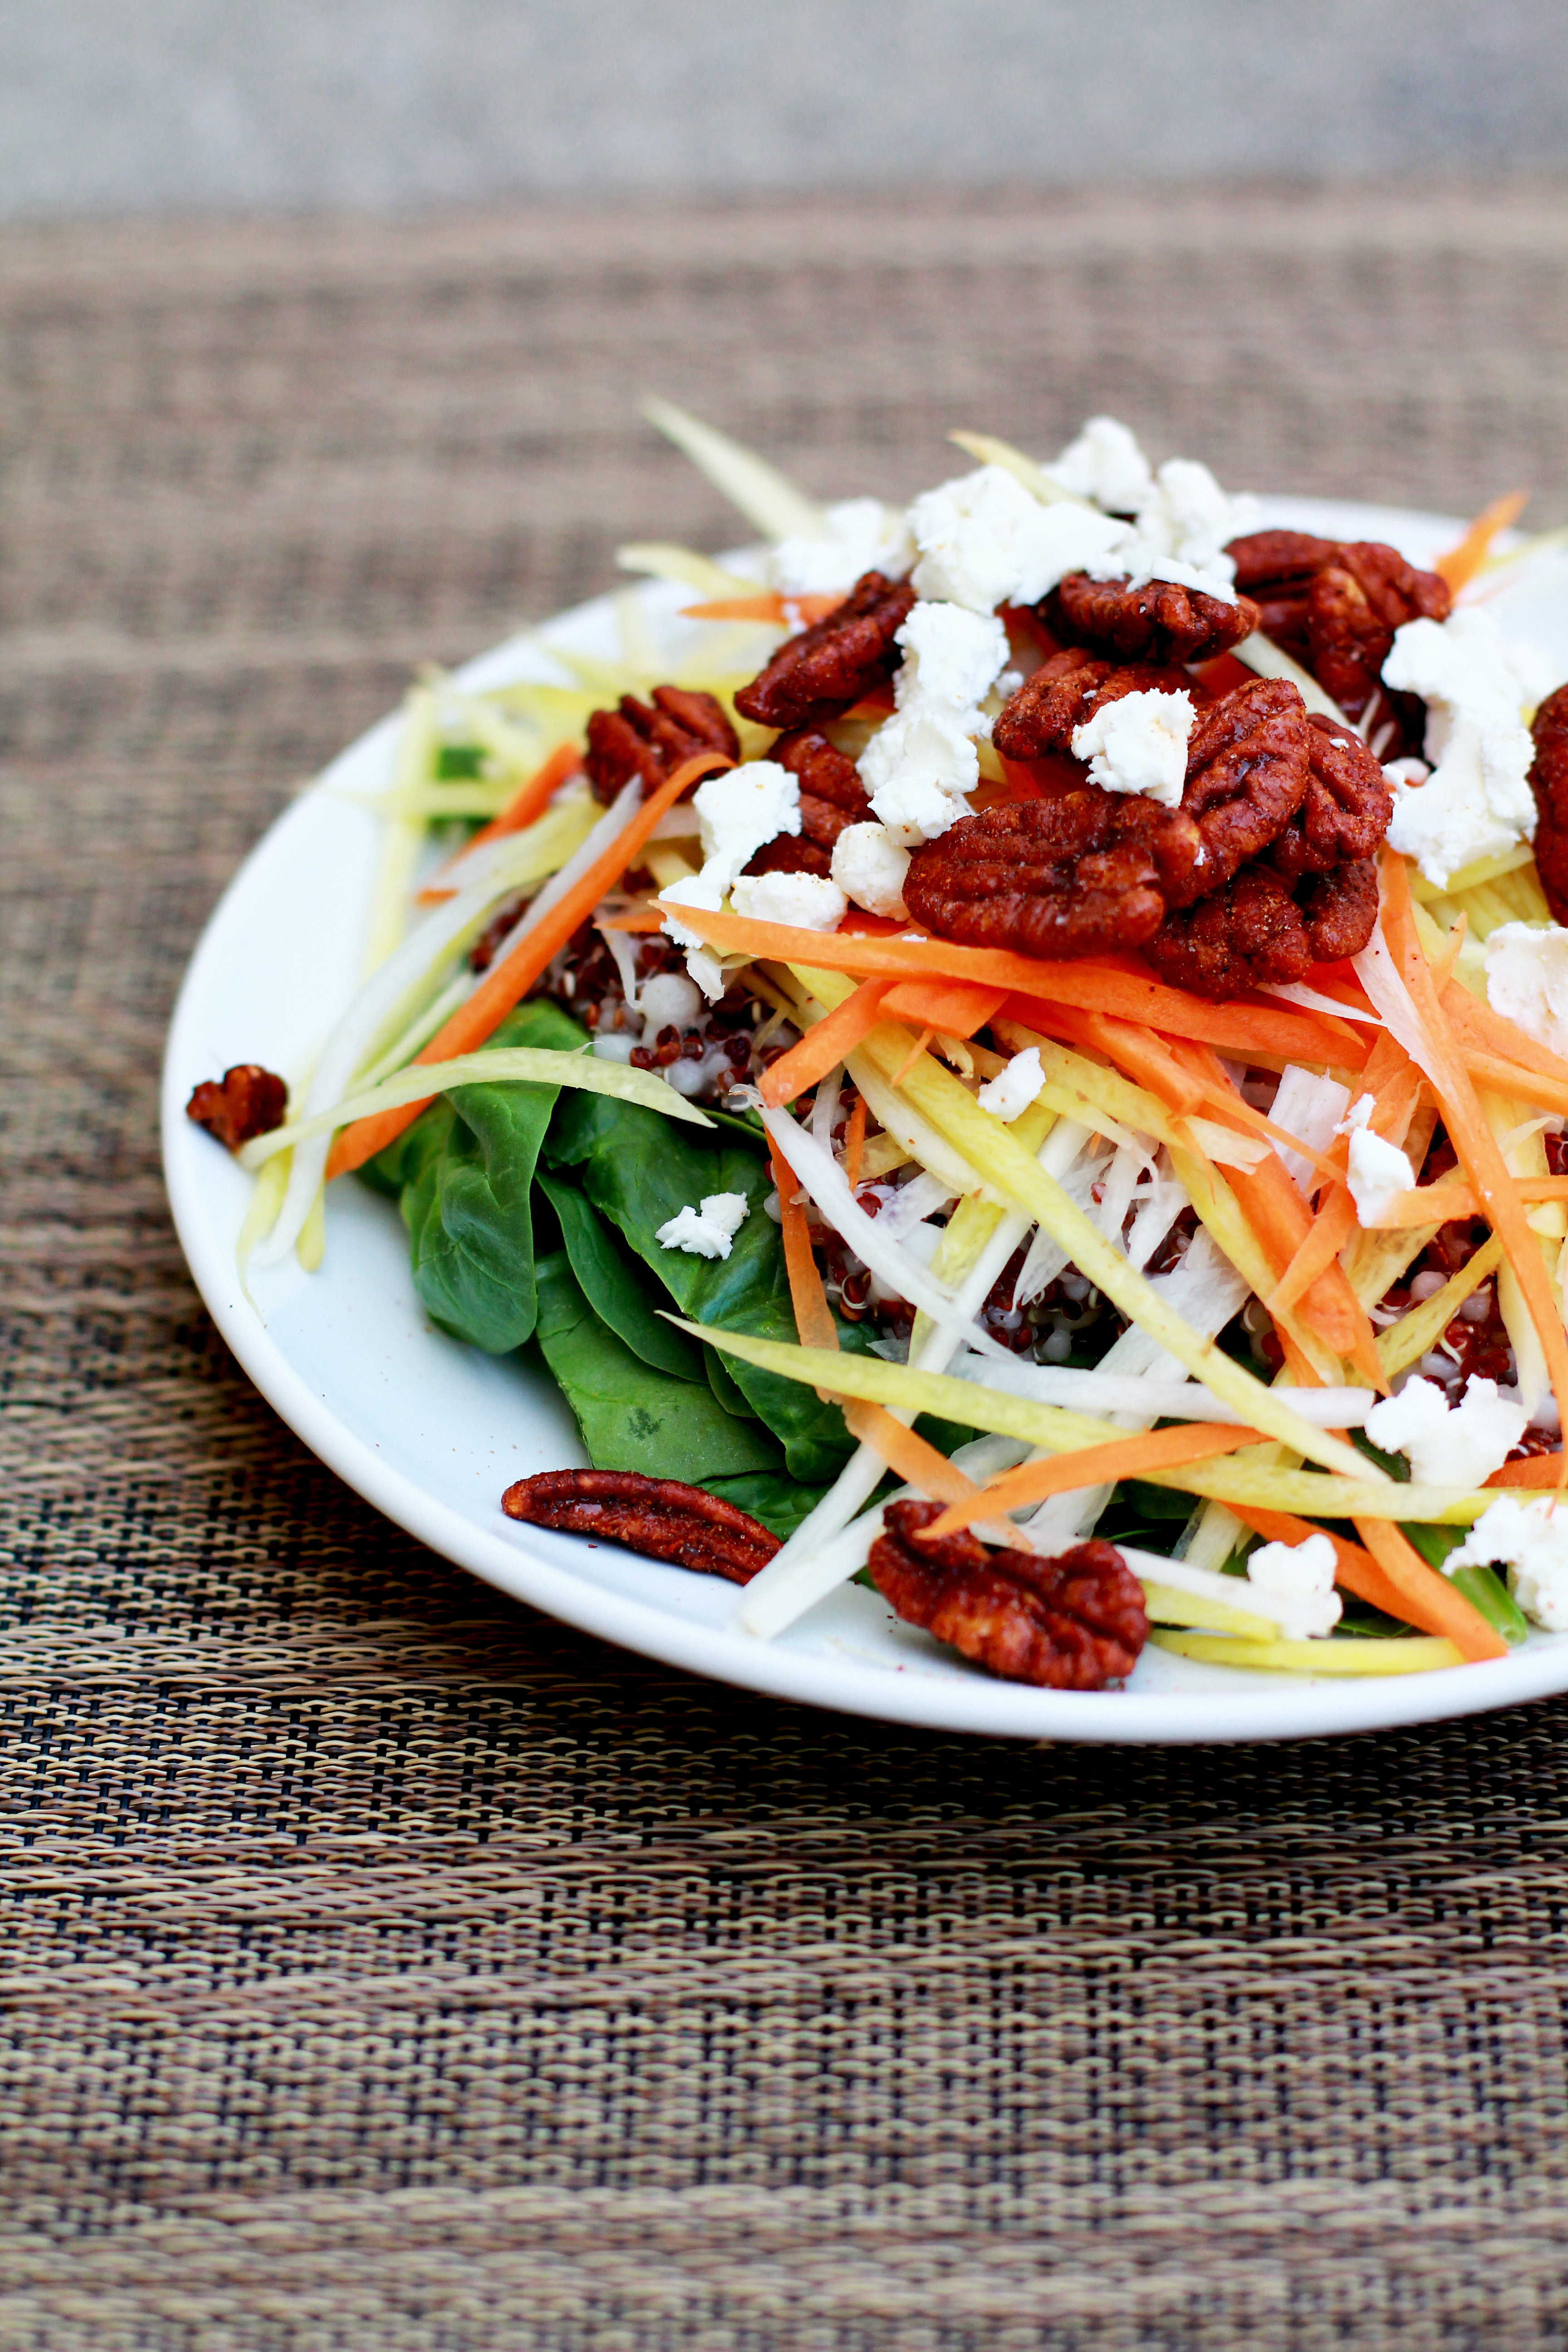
(616, 1286)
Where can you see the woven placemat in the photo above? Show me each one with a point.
(384, 1965)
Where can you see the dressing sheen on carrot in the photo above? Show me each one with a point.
(1095, 1465)
(813, 1320)
(508, 981)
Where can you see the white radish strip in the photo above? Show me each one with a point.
(1161, 1204)
(825, 1107)
(1047, 1258)
(773, 505)
(919, 1138)
(615, 819)
(793, 1582)
(1311, 1109)
(1203, 1583)
(356, 1035)
(1104, 1394)
(555, 835)
(1312, 999)
(1380, 976)
(912, 1203)
(826, 1182)
(539, 1065)
(1270, 660)
(681, 822)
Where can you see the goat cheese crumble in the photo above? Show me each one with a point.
(1526, 979)
(869, 867)
(707, 1231)
(1379, 1172)
(1105, 466)
(1139, 745)
(808, 901)
(1529, 1538)
(1295, 1582)
(739, 811)
(1009, 1093)
(922, 764)
(985, 540)
(1477, 802)
(861, 535)
(1457, 1445)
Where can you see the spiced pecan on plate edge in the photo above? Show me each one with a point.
(1160, 622)
(1549, 782)
(660, 1517)
(819, 674)
(249, 1101)
(1073, 875)
(1077, 1623)
(651, 740)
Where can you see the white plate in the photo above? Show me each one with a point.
(430, 1431)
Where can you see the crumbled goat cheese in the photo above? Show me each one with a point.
(1379, 1172)
(704, 967)
(984, 540)
(1106, 466)
(1458, 1446)
(869, 867)
(1531, 1540)
(921, 765)
(741, 810)
(1183, 525)
(1526, 979)
(1139, 745)
(1478, 802)
(709, 1231)
(862, 535)
(808, 901)
(1296, 1583)
(1009, 1093)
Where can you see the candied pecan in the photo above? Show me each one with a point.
(1549, 782)
(1070, 875)
(1247, 769)
(831, 797)
(1159, 621)
(1354, 607)
(1276, 569)
(1340, 908)
(251, 1101)
(1346, 810)
(1076, 1622)
(820, 673)
(637, 740)
(1249, 931)
(660, 1517)
(1066, 691)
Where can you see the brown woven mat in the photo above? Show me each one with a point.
(385, 1967)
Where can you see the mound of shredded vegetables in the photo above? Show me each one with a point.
(1268, 1292)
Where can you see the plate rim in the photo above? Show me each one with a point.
(529, 1564)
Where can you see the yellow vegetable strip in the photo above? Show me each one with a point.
(1424, 1326)
(1411, 1653)
(1165, 1606)
(1219, 1212)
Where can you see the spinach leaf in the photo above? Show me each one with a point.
(640, 1170)
(466, 1174)
(632, 1416)
(616, 1287)
(723, 1386)
(769, 1496)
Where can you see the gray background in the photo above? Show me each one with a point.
(160, 105)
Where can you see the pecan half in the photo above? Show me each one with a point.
(1064, 692)
(1276, 569)
(1248, 765)
(1339, 909)
(1160, 622)
(660, 1517)
(1077, 1623)
(1252, 930)
(250, 1101)
(1354, 607)
(831, 797)
(637, 740)
(1073, 875)
(1345, 811)
(820, 673)
(1549, 782)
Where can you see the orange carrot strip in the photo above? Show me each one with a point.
(954, 1007)
(1462, 562)
(507, 982)
(768, 606)
(530, 800)
(813, 1320)
(1537, 1470)
(1099, 987)
(641, 919)
(823, 1046)
(854, 1142)
(1513, 1079)
(1137, 1053)
(1409, 1574)
(1331, 1229)
(1233, 1111)
(1423, 1597)
(1452, 1196)
(1476, 1026)
(1472, 1138)
(916, 1462)
(1093, 1465)
(913, 1056)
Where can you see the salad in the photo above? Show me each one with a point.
(1031, 1069)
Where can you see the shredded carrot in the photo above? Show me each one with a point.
(1409, 1574)
(1479, 1028)
(1422, 1596)
(854, 1142)
(530, 800)
(1511, 1078)
(829, 1042)
(768, 606)
(1100, 986)
(507, 982)
(1452, 1196)
(1536, 1470)
(916, 1462)
(640, 918)
(1462, 562)
(1331, 1229)
(1234, 1111)
(813, 1316)
(1473, 1140)
(1137, 1053)
(913, 1056)
(954, 1007)
(1095, 1465)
